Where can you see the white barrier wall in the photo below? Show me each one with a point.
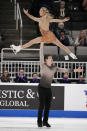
(75, 97)
(21, 99)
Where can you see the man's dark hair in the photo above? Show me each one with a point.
(34, 74)
(65, 73)
(46, 57)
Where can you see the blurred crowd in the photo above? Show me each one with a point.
(62, 33)
(21, 78)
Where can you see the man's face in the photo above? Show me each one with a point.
(81, 78)
(65, 75)
(21, 72)
(35, 76)
(49, 61)
(5, 73)
(62, 34)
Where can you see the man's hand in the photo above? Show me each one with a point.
(42, 44)
(78, 70)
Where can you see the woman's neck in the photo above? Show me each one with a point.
(44, 16)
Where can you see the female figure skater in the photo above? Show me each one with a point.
(47, 71)
(47, 36)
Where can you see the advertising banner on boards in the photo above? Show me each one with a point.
(26, 97)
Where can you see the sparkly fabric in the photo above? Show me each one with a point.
(47, 74)
(47, 36)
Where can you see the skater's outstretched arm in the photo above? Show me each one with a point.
(60, 20)
(69, 70)
(41, 55)
(31, 16)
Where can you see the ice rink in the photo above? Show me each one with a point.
(29, 124)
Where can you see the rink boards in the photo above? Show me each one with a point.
(21, 100)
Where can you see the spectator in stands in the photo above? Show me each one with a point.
(21, 78)
(81, 40)
(5, 76)
(62, 12)
(34, 78)
(64, 39)
(61, 28)
(81, 80)
(65, 78)
(84, 5)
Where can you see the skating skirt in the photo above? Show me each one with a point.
(47, 36)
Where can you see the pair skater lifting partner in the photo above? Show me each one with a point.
(47, 69)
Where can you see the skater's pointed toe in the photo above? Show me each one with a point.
(73, 56)
(15, 49)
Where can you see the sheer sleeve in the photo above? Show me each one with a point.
(64, 70)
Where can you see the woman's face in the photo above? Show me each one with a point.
(42, 12)
(82, 34)
(5, 73)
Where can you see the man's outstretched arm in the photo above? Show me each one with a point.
(41, 54)
(69, 70)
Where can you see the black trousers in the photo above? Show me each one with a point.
(45, 97)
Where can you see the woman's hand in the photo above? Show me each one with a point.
(66, 19)
(25, 11)
(31, 16)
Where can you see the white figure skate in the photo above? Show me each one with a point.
(15, 49)
(73, 56)
(66, 57)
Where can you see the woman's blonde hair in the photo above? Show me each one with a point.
(49, 15)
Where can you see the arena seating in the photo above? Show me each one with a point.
(82, 53)
(8, 28)
(8, 24)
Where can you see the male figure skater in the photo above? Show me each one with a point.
(47, 71)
